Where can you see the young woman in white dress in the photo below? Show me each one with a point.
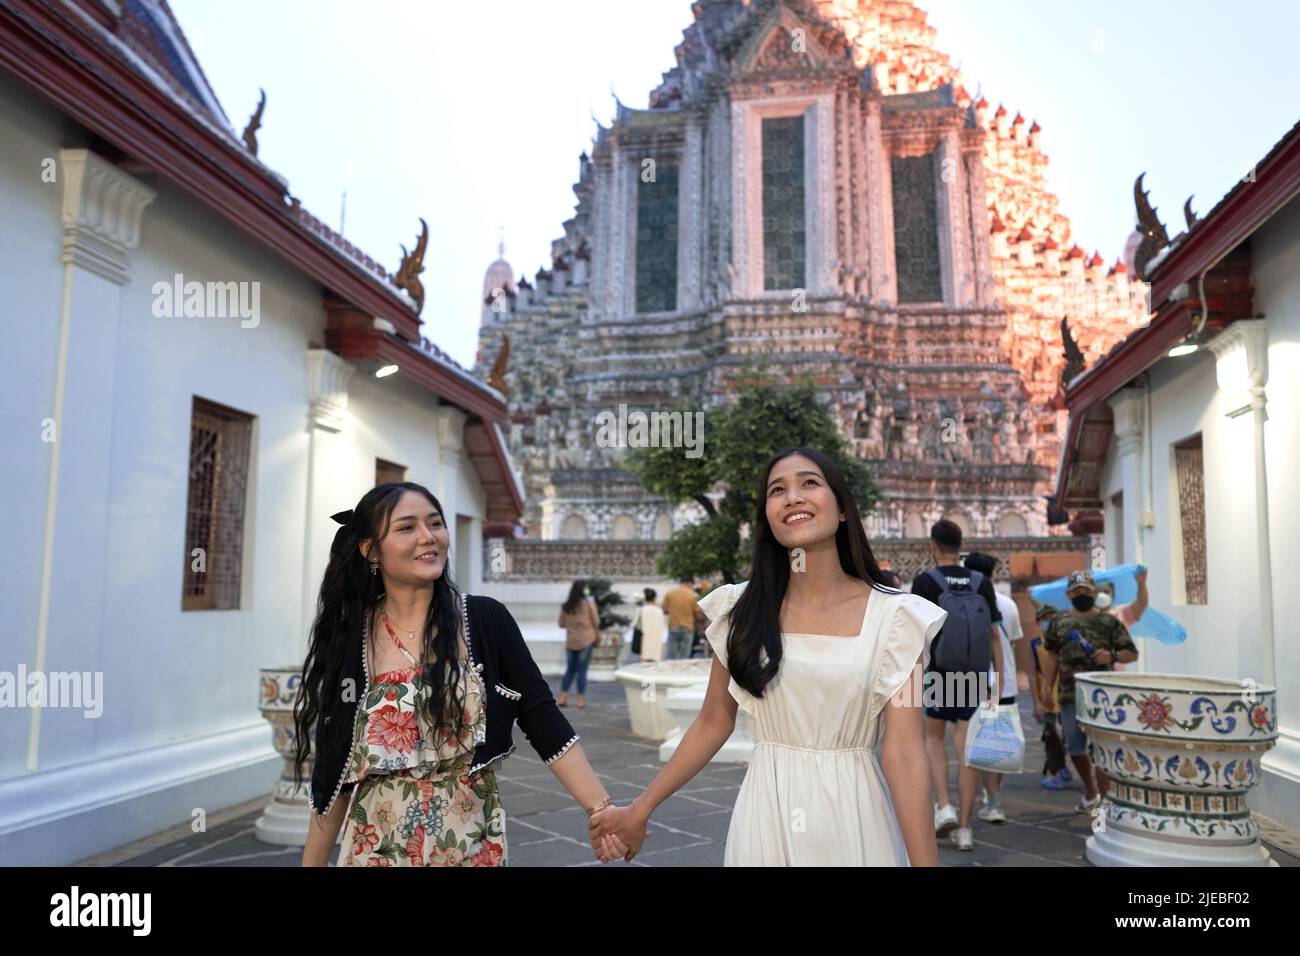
(826, 661)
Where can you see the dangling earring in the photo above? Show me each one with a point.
(374, 568)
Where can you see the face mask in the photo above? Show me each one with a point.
(1083, 602)
(1103, 600)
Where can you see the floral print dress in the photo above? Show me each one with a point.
(415, 802)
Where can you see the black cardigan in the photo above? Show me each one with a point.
(514, 690)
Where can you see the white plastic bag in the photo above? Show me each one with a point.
(994, 739)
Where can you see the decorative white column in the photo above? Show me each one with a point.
(449, 431)
(285, 820)
(1241, 368)
(102, 211)
(1127, 404)
(328, 377)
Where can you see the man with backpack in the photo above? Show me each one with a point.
(957, 676)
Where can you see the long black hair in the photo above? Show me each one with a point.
(348, 593)
(754, 646)
(576, 594)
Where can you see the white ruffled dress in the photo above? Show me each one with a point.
(814, 794)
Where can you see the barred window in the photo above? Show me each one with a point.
(916, 229)
(784, 239)
(220, 442)
(1189, 462)
(388, 472)
(656, 240)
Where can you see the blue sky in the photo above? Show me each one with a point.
(473, 115)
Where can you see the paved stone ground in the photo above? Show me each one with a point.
(545, 828)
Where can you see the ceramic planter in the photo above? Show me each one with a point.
(1182, 753)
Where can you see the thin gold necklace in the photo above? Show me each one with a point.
(410, 633)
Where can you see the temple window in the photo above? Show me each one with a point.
(656, 240)
(784, 235)
(220, 443)
(1191, 510)
(916, 229)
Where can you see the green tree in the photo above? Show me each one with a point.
(607, 599)
(766, 416)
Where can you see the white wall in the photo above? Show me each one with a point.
(31, 280)
(1276, 267)
(180, 728)
(1226, 636)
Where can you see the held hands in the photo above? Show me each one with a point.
(1101, 656)
(608, 848)
(616, 830)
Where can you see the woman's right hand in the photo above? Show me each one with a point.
(621, 822)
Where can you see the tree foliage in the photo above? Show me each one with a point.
(739, 438)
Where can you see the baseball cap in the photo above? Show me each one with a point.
(1081, 579)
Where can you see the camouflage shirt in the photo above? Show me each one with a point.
(1102, 631)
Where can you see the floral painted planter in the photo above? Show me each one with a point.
(1182, 753)
(285, 819)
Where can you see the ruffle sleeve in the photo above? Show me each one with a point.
(912, 627)
(717, 605)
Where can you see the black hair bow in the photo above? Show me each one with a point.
(345, 536)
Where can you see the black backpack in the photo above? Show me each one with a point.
(964, 644)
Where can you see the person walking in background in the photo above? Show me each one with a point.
(581, 623)
(1009, 631)
(650, 621)
(682, 605)
(698, 641)
(971, 625)
(1126, 614)
(1076, 642)
(1047, 709)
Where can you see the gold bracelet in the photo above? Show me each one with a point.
(596, 808)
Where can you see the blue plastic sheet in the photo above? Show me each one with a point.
(1162, 627)
(1152, 623)
(1123, 576)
